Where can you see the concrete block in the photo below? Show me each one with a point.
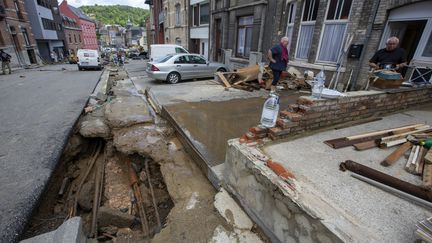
(69, 232)
(231, 211)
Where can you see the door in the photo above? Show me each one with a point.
(183, 66)
(217, 55)
(202, 69)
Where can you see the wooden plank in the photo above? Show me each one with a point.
(365, 145)
(428, 157)
(222, 77)
(402, 135)
(399, 152)
(383, 131)
(410, 164)
(343, 142)
(427, 176)
(393, 143)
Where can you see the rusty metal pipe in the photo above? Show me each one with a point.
(386, 179)
(159, 225)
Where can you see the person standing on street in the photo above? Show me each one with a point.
(278, 57)
(5, 58)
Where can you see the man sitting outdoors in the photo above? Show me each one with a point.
(391, 57)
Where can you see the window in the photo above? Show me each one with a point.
(204, 14)
(200, 14)
(75, 38)
(177, 15)
(79, 38)
(334, 30)
(182, 59)
(291, 18)
(244, 36)
(25, 35)
(180, 50)
(48, 24)
(197, 60)
(195, 20)
(310, 10)
(427, 52)
(70, 38)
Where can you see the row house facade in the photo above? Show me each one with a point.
(175, 22)
(73, 35)
(47, 27)
(88, 26)
(199, 26)
(16, 36)
(323, 33)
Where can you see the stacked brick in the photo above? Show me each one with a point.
(255, 135)
(310, 114)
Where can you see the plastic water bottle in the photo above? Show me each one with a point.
(270, 111)
(318, 84)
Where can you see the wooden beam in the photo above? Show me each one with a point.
(424, 128)
(399, 152)
(382, 131)
(365, 145)
(222, 77)
(428, 157)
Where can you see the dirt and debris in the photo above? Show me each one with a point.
(259, 76)
(93, 180)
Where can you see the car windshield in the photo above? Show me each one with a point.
(163, 59)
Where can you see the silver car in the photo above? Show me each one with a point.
(175, 67)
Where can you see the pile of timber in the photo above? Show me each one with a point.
(424, 230)
(256, 77)
(415, 138)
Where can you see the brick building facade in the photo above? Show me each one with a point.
(16, 37)
(321, 33)
(73, 35)
(88, 26)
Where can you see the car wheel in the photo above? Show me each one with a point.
(173, 78)
(222, 70)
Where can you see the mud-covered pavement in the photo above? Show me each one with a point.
(133, 140)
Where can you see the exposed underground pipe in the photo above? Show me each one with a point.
(153, 197)
(92, 161)
(386, 179)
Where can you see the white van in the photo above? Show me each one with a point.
(88, 59)
(161, 50)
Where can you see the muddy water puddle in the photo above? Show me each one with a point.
(208, 125)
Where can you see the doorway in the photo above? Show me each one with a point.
(217, 55)
(409, 34)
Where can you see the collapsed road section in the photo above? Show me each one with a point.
(124, 176)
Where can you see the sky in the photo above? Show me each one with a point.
(133, 3)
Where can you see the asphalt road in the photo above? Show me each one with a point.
(38, 109)
(138, 75)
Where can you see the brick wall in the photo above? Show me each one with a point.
(311, 114)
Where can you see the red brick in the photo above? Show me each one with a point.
(293, 107)
(305, 101)
(279, 169)
(285, 123)
(258, 130)
(295, 117)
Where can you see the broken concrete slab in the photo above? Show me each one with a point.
(231, 211)
(141, 139)
(127, 111)
(108, 216)
(94, 127)
(69, 232)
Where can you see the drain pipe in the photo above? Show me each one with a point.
(263, 19)
(367, 39)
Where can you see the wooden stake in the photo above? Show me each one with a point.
(383, 131)
(222, 77)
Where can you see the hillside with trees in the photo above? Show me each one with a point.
(116, 14)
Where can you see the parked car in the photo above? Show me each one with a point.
(176, 67)
(161, 50)
(139, 56)
(88, 59)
